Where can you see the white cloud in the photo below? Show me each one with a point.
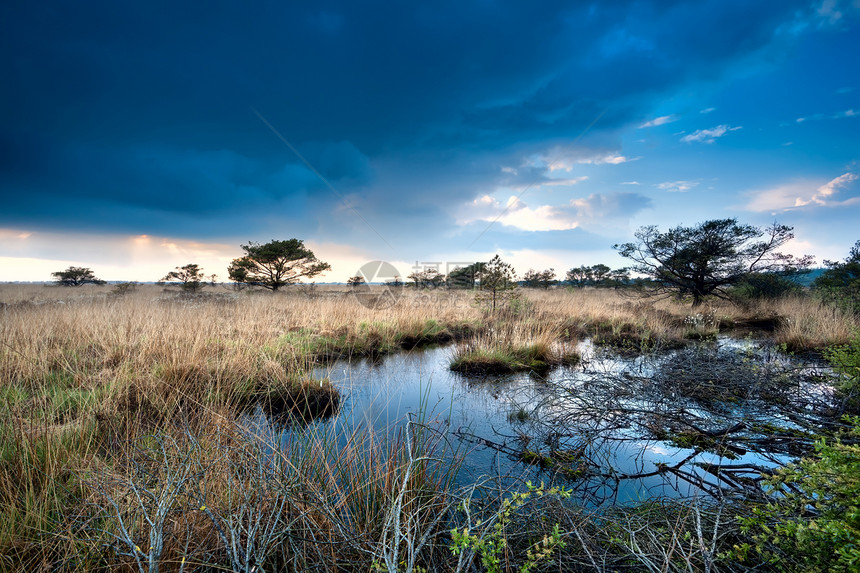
(778, 198)
(799, 194)
(523, 183)
(559, 259)
(630, 183)
(610, 158)
(662, 120)
(594, 210)
(515, 213)
(677, 186)
(824, 192)
(836, 115)
(709, 135)
(569, 163)
(563, 182)
(525, 259)
(707, 110)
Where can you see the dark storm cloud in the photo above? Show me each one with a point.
(140, 115)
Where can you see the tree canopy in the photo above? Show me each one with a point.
(706, 259)
(597, 276)
(189, 277)
(498, 283)
(539, 279)
(465, 277)
(428, 278)
(275, 264)
(76, 276)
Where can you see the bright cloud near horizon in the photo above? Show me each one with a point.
(140, 137)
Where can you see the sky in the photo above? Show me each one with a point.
(137, 137)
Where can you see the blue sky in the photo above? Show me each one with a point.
(139, 137)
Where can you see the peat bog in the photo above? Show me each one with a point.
(304, 431)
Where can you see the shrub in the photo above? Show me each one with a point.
(813, 520)
(765, 286)
(498, 285)
(846, 362)
(840, 284)
(488, 539)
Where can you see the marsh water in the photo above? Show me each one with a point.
(614, 428)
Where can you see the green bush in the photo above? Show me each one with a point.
(488, 539)
(840, 284)
(813, 520)
(845, 360)
(761, 286)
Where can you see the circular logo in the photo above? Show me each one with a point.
(382, 285)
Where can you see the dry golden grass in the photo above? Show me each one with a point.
(85, 375)
(206, 347)
(809, 324)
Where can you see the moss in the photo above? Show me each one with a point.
(697, 441)
(565, 462)
(536, 459)
(567, 456)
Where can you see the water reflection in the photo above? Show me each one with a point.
(613, 428)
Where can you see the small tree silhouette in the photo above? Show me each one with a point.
(539, 279)
(705, 260)
(190, 277)
(498, 284)
(275, 264)
(76, 276)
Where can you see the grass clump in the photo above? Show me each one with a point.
(483, 357)
(637, 336)
(302, 399)
(105, 400)
(806, 324)
(428, 332)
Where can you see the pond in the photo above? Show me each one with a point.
(707, 419)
